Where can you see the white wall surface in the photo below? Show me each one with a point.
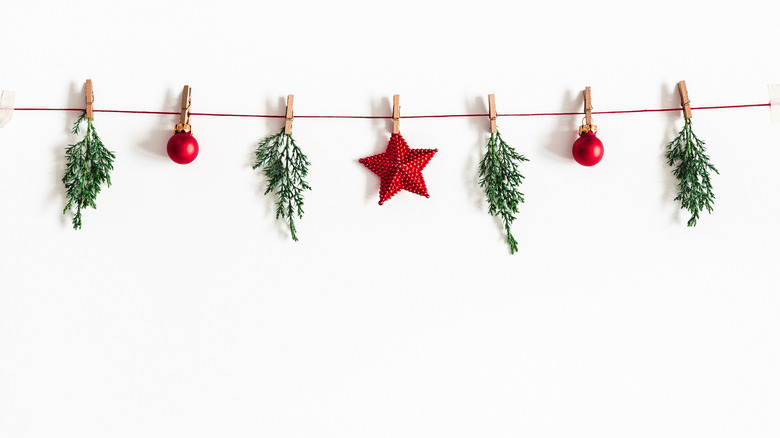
(183, 309)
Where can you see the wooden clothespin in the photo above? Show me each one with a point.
(492, 113)
(396, 114)
(186, 102)
(588, 107)
(288, 118)
(684, 101)
(588, 126)
(90, 97)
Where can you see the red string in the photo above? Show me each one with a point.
(430, 116)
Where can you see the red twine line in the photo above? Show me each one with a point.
(433, 116)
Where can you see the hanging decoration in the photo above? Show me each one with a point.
(500, 177)
(687, 153)
(182, 146)
(588, 149)
(89, 163)
(285, 166)
(88, 167)
(399, 167)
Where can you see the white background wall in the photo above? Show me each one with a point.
(183, 308)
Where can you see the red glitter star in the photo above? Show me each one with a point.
(399, 168)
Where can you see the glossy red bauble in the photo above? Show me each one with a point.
(588, 149)
(182, 147)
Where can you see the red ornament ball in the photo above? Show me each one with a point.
(588, 149)
(182, 147)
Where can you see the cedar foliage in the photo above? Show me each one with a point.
(89, 164)
(285, 166)
(694, 188)
(500, 177)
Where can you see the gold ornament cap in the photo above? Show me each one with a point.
(588, 128)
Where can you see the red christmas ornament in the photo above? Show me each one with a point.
(399, 168)
(588, 149)
(182, 147)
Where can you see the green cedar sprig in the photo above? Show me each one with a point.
(687, 152)
(285, 166)
(501, 179)
(89, 164)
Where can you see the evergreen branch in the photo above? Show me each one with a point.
(285, 166)
(500, 177)
(694, 188)
(89, 164)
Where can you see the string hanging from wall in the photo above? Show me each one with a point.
(399, 167)
(423, 116)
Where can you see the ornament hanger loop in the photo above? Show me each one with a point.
(585, 127)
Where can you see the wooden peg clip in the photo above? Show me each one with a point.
(90, 98)
(684, 101)
(186, 102)
(492, 113)
(396, 114)
(588, 107)
(288, 118)
(588, 126)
